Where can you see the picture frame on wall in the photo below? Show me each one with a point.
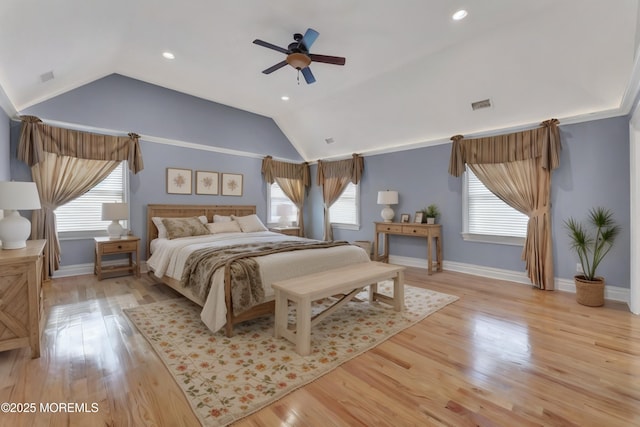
(207, 183)
(231, 184)
(404, 217)
(178, 181)
(418, 218)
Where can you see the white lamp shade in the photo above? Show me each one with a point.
(387, 197)
(16, 195)
(115, 211)
(15, 229)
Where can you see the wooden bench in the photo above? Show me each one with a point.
(348, 281)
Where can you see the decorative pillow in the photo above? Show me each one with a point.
(184, 227)
(221, 218)
(250, 223)
(224, 227)
(162, 231)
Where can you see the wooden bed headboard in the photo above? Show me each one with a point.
(182, 211)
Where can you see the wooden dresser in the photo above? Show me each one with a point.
(431, 232)
(21, 299)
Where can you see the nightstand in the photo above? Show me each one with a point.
(124, 245)
(289, 231)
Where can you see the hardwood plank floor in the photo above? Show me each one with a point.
(503, 355)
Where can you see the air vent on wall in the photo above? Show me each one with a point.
(485, 103)
(329, 140)
(46, 76)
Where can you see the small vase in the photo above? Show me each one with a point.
(431, 220)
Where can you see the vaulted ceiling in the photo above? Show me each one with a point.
(410, 76)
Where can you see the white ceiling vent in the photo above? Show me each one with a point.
(329, 140)
(485, 103)
(46, 76)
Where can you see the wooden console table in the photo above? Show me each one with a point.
(429, 231)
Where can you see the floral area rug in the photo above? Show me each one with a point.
(225, 379)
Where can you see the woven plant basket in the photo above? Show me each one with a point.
(589, 292)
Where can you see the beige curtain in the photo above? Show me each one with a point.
(60, 179)
(517, 168)
(334, 178)
(65, 164)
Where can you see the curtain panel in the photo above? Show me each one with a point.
(517, 168)
(38, 138)
(293, 179)
(334, 177)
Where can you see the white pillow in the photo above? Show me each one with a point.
(162, 230)
(224, 227)
(221, 218)
(250, 223)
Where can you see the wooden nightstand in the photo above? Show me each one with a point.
(289, 231)
(124, 245)
(21, 299)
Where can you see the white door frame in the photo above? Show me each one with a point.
(634, 203)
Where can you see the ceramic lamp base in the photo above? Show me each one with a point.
(387, 214)
(14, 230)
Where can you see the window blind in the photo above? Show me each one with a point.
(488, 215)
(85, 212)
(345, 209)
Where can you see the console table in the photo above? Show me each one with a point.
(430, 232)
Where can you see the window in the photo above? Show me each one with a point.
(82, 217)
(345, 212)
(489, 219)
(278, 203)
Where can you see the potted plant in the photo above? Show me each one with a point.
(430, 213)
(592, 242)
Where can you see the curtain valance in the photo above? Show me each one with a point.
(543, 142)
(38, 138)
(350, 168)
(272, 169)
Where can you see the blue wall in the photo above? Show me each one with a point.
(5, 147)
(594, 171)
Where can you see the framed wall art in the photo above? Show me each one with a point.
(178, 181)
(231, 184)
(207, 182)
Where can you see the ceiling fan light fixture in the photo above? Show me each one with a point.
(298, 60)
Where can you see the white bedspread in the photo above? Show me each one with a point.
(169, 257)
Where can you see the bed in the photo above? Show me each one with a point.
(166, 259)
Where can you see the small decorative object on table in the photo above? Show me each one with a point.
(404, 218)
(591, 248)
(418, 217)
(387, 198)
(430, 213)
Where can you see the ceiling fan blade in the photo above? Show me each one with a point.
(309, 37)
(335, 60)
(308, 75)
(275, 67)
(270, 46)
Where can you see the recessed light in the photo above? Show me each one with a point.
(461, 14)
(284, 98)
(168, 55)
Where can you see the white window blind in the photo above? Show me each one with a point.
(277, 198)
(490, 216)
(345, 209)
(85, 212)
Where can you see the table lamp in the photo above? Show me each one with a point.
(284, 211)
(387, 198)
(114, 212)
(15, 229)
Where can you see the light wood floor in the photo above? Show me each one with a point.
(503, 355)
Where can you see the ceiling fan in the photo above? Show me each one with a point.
(298, 55)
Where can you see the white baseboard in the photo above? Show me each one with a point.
(614, 293)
